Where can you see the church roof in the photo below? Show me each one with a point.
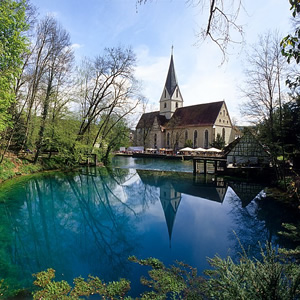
(201, 114)
(147, 119)
(171, 81)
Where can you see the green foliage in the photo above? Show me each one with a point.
(50, 289)
(219, 142)
(6, 169)
(188, 143)
(12, 45)
(292, 233)
(179, 281)
(269, 278)
(291, 45)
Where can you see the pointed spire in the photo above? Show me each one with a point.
(171, 82)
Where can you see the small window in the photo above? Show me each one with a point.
(176, 93)
(176, 105)
(220, 120)
(165, 105)
(195, 138)
(206, 139)
(165, 94)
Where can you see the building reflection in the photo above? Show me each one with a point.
(210, 187)
(170, 200)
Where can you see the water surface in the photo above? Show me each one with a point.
(90, 221)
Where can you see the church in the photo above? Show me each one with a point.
(175, 126)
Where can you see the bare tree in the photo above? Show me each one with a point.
(107, 87)
(60, 59)
(222, 24)
(264, 81)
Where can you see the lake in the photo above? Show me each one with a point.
(91, 220)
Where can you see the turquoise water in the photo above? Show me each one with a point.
(90, 221)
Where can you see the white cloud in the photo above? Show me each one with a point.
(76, 46)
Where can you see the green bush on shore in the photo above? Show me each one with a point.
(271, 278)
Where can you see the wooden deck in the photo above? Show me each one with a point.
(209, 165)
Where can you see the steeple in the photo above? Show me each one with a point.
(171, 97)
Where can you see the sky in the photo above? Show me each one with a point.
(152, 29)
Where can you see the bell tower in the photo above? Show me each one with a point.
(171, 97)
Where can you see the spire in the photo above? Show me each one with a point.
(171, 82)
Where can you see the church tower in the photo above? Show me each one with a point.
(171, 98)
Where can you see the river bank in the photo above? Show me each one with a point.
(14, 166)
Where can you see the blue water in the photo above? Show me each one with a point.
(153, 164)
(90, 221)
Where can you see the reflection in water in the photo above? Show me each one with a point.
(90, 221)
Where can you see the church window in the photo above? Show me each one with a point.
(220, 120)
(165, 105)
(176, 104)
(223, 134)
(206, 139)
(168, 139)
(224, 112)
(155, 140)
(176, 93)
(186, 135)
(177, 141)
(195, 138)
(165, 94)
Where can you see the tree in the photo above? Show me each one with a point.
(263, 84)
(107, 88)
(219, 142)
(222, 23)
(12, 45)
(291, 45)
(59, 60)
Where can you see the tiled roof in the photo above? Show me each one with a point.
(171, 81)
(197, 115)
(147, 119)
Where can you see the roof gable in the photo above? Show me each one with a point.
(201, 114)
(147, 119)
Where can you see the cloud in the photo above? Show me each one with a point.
(76, 46)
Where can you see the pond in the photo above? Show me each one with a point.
(91, 220)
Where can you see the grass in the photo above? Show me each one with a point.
(13, 166)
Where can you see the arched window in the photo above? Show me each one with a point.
(206, 139)
(223, 134)
(177, 93)
(186, 136)
(176, 105)
(177, 141)
(155, 140)
(168, 139)
(165, 104)
(195, 138)
(165, 94)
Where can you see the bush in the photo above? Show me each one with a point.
(270, 278)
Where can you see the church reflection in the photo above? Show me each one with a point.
(210, 187)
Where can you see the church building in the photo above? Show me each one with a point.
(174, 125)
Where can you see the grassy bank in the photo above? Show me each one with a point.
(13, 166)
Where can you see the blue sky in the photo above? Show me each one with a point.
(152, 29)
